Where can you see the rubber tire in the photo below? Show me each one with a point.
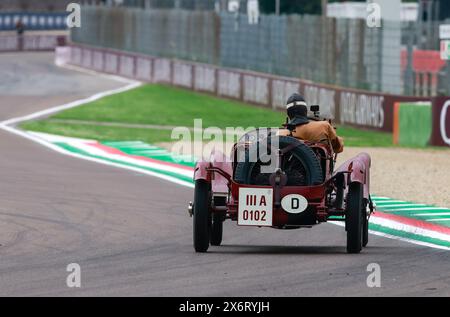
(242, 173)
(216, 229)
(354, 218)
(202, 217)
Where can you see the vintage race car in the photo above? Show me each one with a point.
(301, 189)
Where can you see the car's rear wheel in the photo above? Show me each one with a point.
(354, 218)
(216, 229)
(202, 216)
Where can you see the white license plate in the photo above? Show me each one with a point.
(255, 207)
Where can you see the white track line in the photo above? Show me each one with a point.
(400, 205)
(387, 223)
(131, 85)
(418, 208)
(389, 236)
(439, 220)
(433, 214)
(9, 125)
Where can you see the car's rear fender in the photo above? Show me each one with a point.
(358, 170)
(219, 184)
(201, 171)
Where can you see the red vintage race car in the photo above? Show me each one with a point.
(292, 184)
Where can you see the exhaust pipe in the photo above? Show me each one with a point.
(191, 209)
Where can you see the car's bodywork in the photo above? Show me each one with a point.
(325, 201)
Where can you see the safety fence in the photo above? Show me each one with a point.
(346, 106)
(33, 21)
(180, 4)
(393, 59)
(36, 5)
(29, 42)
(334, 51)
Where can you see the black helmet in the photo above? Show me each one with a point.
(297, 110)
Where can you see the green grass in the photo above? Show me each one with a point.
(99, 133)
(164, 105)
(362, 138)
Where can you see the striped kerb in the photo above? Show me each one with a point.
(408, 221)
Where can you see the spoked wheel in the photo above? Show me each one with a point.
(202, 216)
(365, 234)
(216, 229)
(354, 220)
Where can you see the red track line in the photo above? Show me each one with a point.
(413, 222)
(114, 151)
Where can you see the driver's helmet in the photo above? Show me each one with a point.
(297, 110)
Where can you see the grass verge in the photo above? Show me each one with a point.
(169, 106)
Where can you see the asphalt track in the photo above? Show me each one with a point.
(131, 235)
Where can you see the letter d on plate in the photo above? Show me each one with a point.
(294, 204)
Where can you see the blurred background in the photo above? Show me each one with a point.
(296, 38)
(318, 40)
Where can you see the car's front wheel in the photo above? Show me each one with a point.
(202, 215)
(354, 220)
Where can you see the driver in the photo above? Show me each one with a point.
(302, 128)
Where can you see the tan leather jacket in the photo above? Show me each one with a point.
(317, 131)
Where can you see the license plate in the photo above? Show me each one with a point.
(255, 207)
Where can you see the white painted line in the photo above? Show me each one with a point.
(439, 220)
(424, 244)
(125, 143)
(410, 229)
(68, 153)
(389, 236)
(419, 208)
(5, 125)
(99, 152)
(70, 105)
(400, 205)
(386, 202)
(58, 138)
(433, 214)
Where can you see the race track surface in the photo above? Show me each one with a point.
(131, 235)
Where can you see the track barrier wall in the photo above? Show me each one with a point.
(345, 106)
(392, 59)
(441, 122)
(30, 42)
